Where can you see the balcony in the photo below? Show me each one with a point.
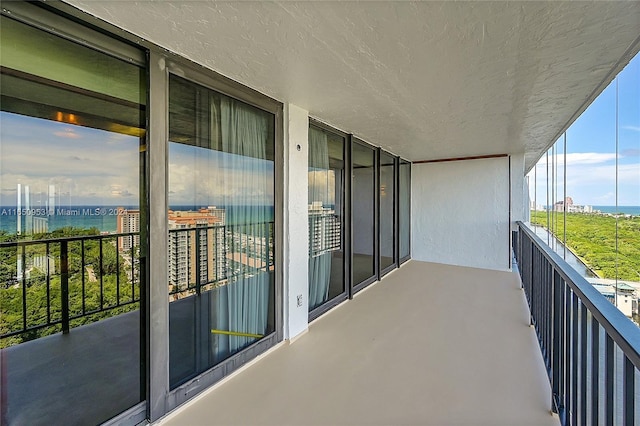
(429, 344)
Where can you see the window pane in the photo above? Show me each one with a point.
(363, 191)
(387, 210)
(326, 180)
(221, 223)
(73, 123)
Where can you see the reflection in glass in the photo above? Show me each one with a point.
(387, 210)
(405, 208)
(73, 122)
(326, 178)
(363, 211)
(221, 240)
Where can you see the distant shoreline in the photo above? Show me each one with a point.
(630, 210)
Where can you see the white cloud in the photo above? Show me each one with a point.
(86, 166)
(634, 128)
(576, 158)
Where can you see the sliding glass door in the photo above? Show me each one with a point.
(326, 217)
(221, 282)
(363, 196)
(388, 216)
(72, 239)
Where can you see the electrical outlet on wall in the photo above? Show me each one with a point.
(299, 300)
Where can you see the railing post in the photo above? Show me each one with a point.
(609, 380)
(556, 321)
(629, 392)
(595, 370)
(64, 285)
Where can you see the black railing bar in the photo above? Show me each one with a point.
(133, 268)
(623, 331)
(583, 363)
(8, 244)
(595, 370)
(609, 380)
(101, 276)
(48, 285)
(117, 271)
(629, 392)
(106, 308)
(59, 321)
(230, 228)
(574, 359)
(82, 274)
(32, 328)
(566, 363)
(24, 287)
(555, 342)
(64, 285)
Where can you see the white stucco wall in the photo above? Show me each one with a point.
(519, 198)
(460, 213)
(296, 224)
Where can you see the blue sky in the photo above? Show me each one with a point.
(591, 149)
(86, 166)
(97, 167)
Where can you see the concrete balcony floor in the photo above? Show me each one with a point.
(430, 344)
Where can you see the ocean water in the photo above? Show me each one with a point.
(100, 217)
(632, 210)
(104, 217)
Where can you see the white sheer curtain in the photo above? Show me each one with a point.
(319, 193)
(242, 305)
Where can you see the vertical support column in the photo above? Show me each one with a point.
(157, 302)
(296, 223)
(518, 193)
(64, 286)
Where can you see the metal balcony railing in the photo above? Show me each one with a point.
(578, 331)
(51, 282)
(209, 255)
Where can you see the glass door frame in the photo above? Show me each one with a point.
(210, 80)
(402, 260)
(355, 288)
(346, 222)
(396, 236)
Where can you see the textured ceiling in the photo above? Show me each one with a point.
(426, 80)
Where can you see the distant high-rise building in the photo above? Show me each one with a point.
(128, 221)
(196, 247)
(196, 244)
(324, 229)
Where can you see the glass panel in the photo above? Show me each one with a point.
(221, 242)
(387, 210)
(326, 191)
(629, 176)
(405, 209)
(73, 123)
(363, 213)
(591, 187)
